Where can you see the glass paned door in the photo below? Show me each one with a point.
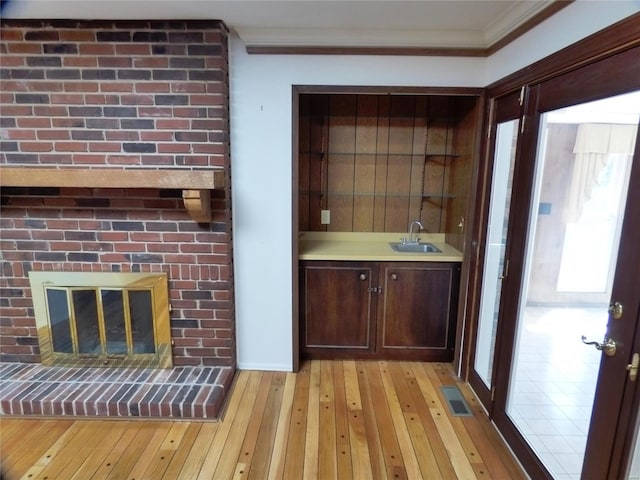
(504, 159)
(581, 181)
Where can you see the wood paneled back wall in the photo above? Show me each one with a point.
(377, 162)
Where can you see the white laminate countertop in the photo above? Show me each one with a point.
(370, 246)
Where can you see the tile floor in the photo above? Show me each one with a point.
(552, 396)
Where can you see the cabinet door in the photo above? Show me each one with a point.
(417, 315)
(336, 308)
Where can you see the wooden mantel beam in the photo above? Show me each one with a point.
(110, 178)
(196, 185)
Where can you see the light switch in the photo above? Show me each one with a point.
(325, 217)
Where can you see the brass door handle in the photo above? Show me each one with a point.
(608, 346)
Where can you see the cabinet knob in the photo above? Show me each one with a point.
(363, 276)
(394, 276)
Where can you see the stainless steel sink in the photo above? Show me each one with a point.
(414, 247)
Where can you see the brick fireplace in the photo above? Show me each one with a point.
(146, 101)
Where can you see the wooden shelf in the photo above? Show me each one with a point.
(196, 185)
(384, 154)
(421, 195)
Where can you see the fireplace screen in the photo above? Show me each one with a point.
(102, 319)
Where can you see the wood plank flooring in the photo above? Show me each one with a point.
(332, 420)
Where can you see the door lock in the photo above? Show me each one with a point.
(632, 368)
(608, 346)
(616, 310)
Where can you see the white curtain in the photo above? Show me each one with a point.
(594, 147)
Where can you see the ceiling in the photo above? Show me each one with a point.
(474, 24)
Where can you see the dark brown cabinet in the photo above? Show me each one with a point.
(337, 306)
(382, 310)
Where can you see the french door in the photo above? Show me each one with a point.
(560, 302)
(506, 114)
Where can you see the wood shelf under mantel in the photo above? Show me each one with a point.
(196, 185)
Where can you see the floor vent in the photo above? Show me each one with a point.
(457, 404)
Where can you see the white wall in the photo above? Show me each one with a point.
(261, 157)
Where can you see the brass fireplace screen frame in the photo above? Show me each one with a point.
(151, 288)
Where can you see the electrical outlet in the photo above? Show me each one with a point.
(325, 217)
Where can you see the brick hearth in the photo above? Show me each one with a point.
(181, 392)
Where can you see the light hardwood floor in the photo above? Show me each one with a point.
(332, 420)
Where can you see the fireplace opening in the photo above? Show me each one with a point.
(102, 319)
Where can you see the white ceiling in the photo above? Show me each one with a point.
(381, 23)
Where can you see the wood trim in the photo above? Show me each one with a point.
(399, 51)
(471, 251)
(295, 230)
(387, 90)
(620, 73)
(616, 38)
(111, 178)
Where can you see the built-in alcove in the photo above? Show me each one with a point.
(371, 161)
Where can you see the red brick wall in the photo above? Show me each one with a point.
(124, 94)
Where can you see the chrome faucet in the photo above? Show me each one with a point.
(412, 239)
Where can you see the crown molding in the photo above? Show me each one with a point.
(516, 15)
(323, 37)
(513, 24)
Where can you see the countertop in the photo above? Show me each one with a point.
(370, 246)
